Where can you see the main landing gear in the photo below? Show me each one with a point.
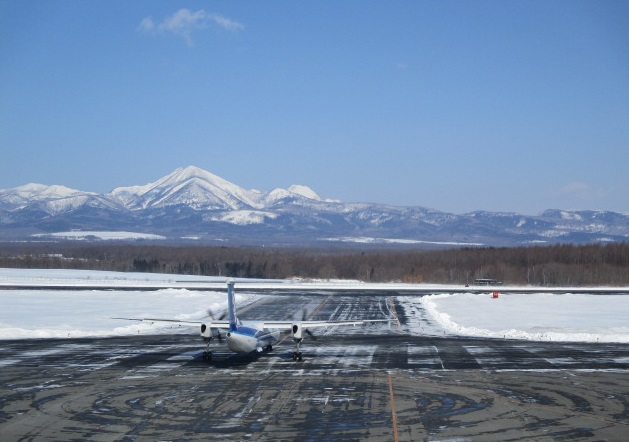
(297, 353)
(207, 354)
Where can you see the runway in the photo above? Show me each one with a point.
(379, 382)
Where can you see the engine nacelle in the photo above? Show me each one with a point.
(297, 332)
(206, 331)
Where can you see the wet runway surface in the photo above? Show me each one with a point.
(397, 381)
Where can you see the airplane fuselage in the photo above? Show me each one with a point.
(250, 336)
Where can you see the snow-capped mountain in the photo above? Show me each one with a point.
(193, 203)
(31, 193)
(52, 200)
(189, 186)
(201, 190)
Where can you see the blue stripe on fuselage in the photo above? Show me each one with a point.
(262, 335)
(244, 330)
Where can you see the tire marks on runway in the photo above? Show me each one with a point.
(157, 387)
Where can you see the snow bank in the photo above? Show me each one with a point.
(537, 316)
(63, 314)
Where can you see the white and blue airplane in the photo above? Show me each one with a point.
(247, 337)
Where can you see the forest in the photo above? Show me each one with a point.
(554, 265)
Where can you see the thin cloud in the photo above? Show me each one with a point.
(147, 25)
(184, 22)
(225, 23)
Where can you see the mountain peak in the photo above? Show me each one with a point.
(304, 191)
(189, 172)
(190, 186)
(193, 170)
(41, 190)
(194, 186)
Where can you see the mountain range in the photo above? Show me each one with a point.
(191, 204)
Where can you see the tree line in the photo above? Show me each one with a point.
(574, 265)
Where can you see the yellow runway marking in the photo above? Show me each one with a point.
(393, 415)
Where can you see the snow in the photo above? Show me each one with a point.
(275, 195)
(200, 189)
(68, 275)
(369, 240)
(304, 191)
(242, 217)
(293, 192)
(570, 216)
(186, 185)
(70, 313)
(61, 314)
(535, 316)
(32, 193)
(42, 191)
(103, 235)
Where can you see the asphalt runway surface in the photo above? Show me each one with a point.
(378, 382)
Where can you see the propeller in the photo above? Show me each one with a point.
(304, 317)
(210, 313)
(311, 334)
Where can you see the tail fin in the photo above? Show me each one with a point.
(231, 307)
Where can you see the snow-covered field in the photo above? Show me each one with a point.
(68, 313)
(61, 313)
(102, 235)
(535, 316)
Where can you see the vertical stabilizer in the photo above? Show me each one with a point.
(231, 306)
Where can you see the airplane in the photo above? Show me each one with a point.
(245, 337)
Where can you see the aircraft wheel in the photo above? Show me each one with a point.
(299, 357)
(207, 355)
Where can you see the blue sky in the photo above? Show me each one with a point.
(454, 105)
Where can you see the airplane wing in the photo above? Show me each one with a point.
(313, 324)
(213, 324)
